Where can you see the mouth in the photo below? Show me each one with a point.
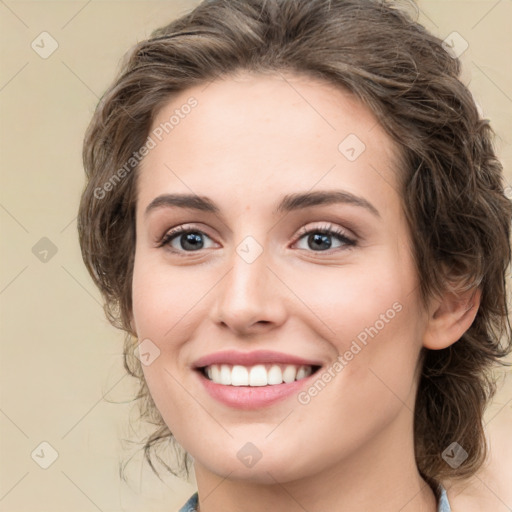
(254, 380)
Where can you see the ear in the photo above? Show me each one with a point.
(450, 316)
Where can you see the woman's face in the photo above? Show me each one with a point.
(295, 275)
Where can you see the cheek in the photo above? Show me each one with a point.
(163, 297)
(373, 380)
(372, 316)
(348, 299)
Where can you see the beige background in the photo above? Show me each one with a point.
(62, 379)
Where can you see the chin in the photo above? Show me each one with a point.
(267, 470)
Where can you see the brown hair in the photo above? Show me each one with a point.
(452, 183)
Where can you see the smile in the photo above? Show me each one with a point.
(252, 380)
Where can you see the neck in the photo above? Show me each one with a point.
(381, 476)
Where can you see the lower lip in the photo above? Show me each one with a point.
(252, 397)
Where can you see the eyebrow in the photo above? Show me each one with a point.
(288, 203)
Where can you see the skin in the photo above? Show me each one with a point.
(251, 140)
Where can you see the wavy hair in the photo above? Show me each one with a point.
(451, 180)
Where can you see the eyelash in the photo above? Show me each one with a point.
(324, 230)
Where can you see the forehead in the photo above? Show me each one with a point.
(262, 134)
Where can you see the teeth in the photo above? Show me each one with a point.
(301, 373)
(239, 376)
(289, 374)
(225, 375)
(215, 373)
(275, 375)
(258, 375)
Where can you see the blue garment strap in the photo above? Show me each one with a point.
(191, 504)
(444, 505)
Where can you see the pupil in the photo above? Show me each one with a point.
(194, 239)
(318, 238)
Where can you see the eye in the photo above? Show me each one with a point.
(320, 239)
(181, 239)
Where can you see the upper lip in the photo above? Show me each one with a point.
(233, 357)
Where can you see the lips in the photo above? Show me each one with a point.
(248, 380)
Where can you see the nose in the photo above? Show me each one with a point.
(250, 298)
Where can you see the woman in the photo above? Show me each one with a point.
(296, 214)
